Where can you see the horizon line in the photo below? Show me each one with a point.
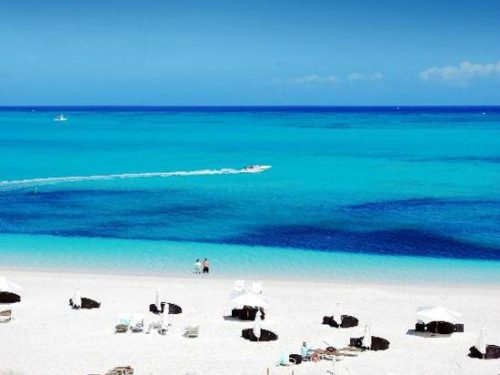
(248, 106)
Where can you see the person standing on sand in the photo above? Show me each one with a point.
(206, 266)
(197, 266)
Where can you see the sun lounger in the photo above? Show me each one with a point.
(265, 335)
(247, 313)
(164, 329)
(346, 321)
(154, 309)
(159, 325)
(123, 324)
(121, 371)
(137, 323)
(87, 303)
(295, 359)
(171, 309)
(443, 328)
(377, 343)
(174, 309)
(492, 352)
(5, 316)
(192, 331)
(8, 297)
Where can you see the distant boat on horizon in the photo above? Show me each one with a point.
(60, 118)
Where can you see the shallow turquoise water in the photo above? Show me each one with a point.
(350, 191)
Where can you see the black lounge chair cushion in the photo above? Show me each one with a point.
(492, 352)
(7, 297)
(172, 309)
(87, 303)
(247, 313)
(328, 320)
(347, 321)
(378, 343)
(265, 335)
(154, 309)
(443, 328)
(420, 327)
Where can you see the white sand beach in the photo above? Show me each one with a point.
(47, 337)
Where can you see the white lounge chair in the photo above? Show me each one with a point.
(137, 323)
(160, 325)
(239, 286)
(5, 316)
(123, 324)
(192, 331)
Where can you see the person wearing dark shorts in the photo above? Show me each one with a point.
(206, 266)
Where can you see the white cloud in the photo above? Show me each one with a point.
(316, 79)
(312, 79)
(462, 73)
(365, 77)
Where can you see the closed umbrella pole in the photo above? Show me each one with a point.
(481, 341)
(77, 298)
(336, 314)
(367, 337)
(257, 330)
(157, 300)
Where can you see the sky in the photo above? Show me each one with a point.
(259, 52)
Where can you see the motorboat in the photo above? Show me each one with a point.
(256, 168)
(60, 118)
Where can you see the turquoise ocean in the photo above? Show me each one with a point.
(358, 193)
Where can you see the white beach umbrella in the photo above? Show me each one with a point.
(367, 337)
(9, 286)
(157, 299)
(481, 341)
(249, 299)
(336, 314)
(257, 330)
(77, 298)
(437, 313)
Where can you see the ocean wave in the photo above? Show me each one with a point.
(33, 182)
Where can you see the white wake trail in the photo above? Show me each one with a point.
(18, 184)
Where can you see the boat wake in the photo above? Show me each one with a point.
(33, 182)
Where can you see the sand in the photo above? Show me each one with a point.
(47, 337)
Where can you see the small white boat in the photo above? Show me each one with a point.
(256, 168)
(60, 118)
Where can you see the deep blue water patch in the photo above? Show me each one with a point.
(404, 204)
(383, 242)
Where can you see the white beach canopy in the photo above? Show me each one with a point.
(257, 330)
(9, 286)
(436, 314)
(481, 341)
(367, 337)
(257, 287)
(249, 299)
(77, 298)
(239, 286)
